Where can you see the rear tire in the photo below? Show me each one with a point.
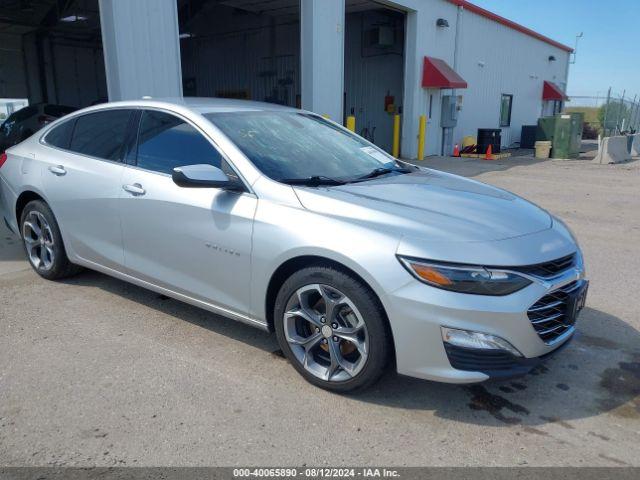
(43, 244)
(332, 328)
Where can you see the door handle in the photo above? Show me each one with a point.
(135, 189)
(58, 170)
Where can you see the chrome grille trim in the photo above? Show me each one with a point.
(548, 315)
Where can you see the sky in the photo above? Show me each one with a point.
(608, 54)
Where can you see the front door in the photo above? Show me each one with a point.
(194, 241)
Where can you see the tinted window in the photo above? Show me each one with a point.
(23, 114)
(101, 134)
(60, 136)
(166, 142)
(57, 110)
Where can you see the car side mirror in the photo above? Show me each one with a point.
(204, 176)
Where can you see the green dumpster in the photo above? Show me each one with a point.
(564, 131)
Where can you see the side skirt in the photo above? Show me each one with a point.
(170, 293)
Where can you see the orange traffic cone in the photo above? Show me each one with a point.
(487, 155)
(456, 151)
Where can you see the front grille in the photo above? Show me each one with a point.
(549, 315)
(549, 269)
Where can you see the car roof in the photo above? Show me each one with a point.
(201, 104)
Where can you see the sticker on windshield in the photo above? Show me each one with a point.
(379, 156)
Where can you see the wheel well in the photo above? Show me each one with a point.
(23, 199)
(288, 268)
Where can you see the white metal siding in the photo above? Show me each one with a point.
(514, 63)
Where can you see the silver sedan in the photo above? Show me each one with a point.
(286, 221)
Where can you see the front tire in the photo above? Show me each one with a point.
(332, 328)
(43, 242)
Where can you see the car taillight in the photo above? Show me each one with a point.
(3, 158)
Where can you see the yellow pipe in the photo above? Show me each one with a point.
(351, 123)
(422, 129)
(396, 136)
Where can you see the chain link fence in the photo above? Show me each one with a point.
(611, 113)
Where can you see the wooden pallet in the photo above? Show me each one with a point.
(494, 156)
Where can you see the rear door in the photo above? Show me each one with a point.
(194, 241)
(82, 180)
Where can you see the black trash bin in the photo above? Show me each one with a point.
(489, 136)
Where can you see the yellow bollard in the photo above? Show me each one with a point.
(351, 123)
(422, 129)
(396, 136)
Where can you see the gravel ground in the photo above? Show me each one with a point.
(94, 371)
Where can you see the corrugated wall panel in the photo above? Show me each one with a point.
(495, 59)
(13, 79)
(370, 75)
(234, 53)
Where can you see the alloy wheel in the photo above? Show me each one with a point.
(326, 332)
(38, 239)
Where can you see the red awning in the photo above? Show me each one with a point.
(551, 91)
(437, 74)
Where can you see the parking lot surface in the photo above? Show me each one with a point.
(94, 371)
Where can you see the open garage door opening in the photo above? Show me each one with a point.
(244, 49)
(374, 68)
(52, 52)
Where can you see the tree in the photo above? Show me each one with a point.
(614, 113)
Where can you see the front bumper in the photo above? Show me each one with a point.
(497, 364)
(418, 311)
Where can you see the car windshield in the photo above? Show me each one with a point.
(298, 147)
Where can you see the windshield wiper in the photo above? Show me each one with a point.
(377, 172)
(313, 181)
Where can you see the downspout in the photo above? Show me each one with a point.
(456, 49)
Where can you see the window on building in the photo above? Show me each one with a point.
(101, 134)
(166, 142)
(505, 110)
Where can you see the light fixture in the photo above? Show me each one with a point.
(477, 340)
(74, 18)
(185, 35)
(552, 58)
(442, 22)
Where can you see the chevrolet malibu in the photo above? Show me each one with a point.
(286, 221)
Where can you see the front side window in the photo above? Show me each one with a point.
(297, 145)
(505, 110)
(166, 142)
(101, 134)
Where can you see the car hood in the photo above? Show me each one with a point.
(431, 204)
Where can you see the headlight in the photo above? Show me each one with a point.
(465, 278)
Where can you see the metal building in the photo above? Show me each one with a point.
(462, 67)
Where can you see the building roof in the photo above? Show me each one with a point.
(508, 23)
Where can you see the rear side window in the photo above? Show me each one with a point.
(60, 136)
(24, 113)
(166, 142)
(101, 134)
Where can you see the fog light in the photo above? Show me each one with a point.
(468, 339)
